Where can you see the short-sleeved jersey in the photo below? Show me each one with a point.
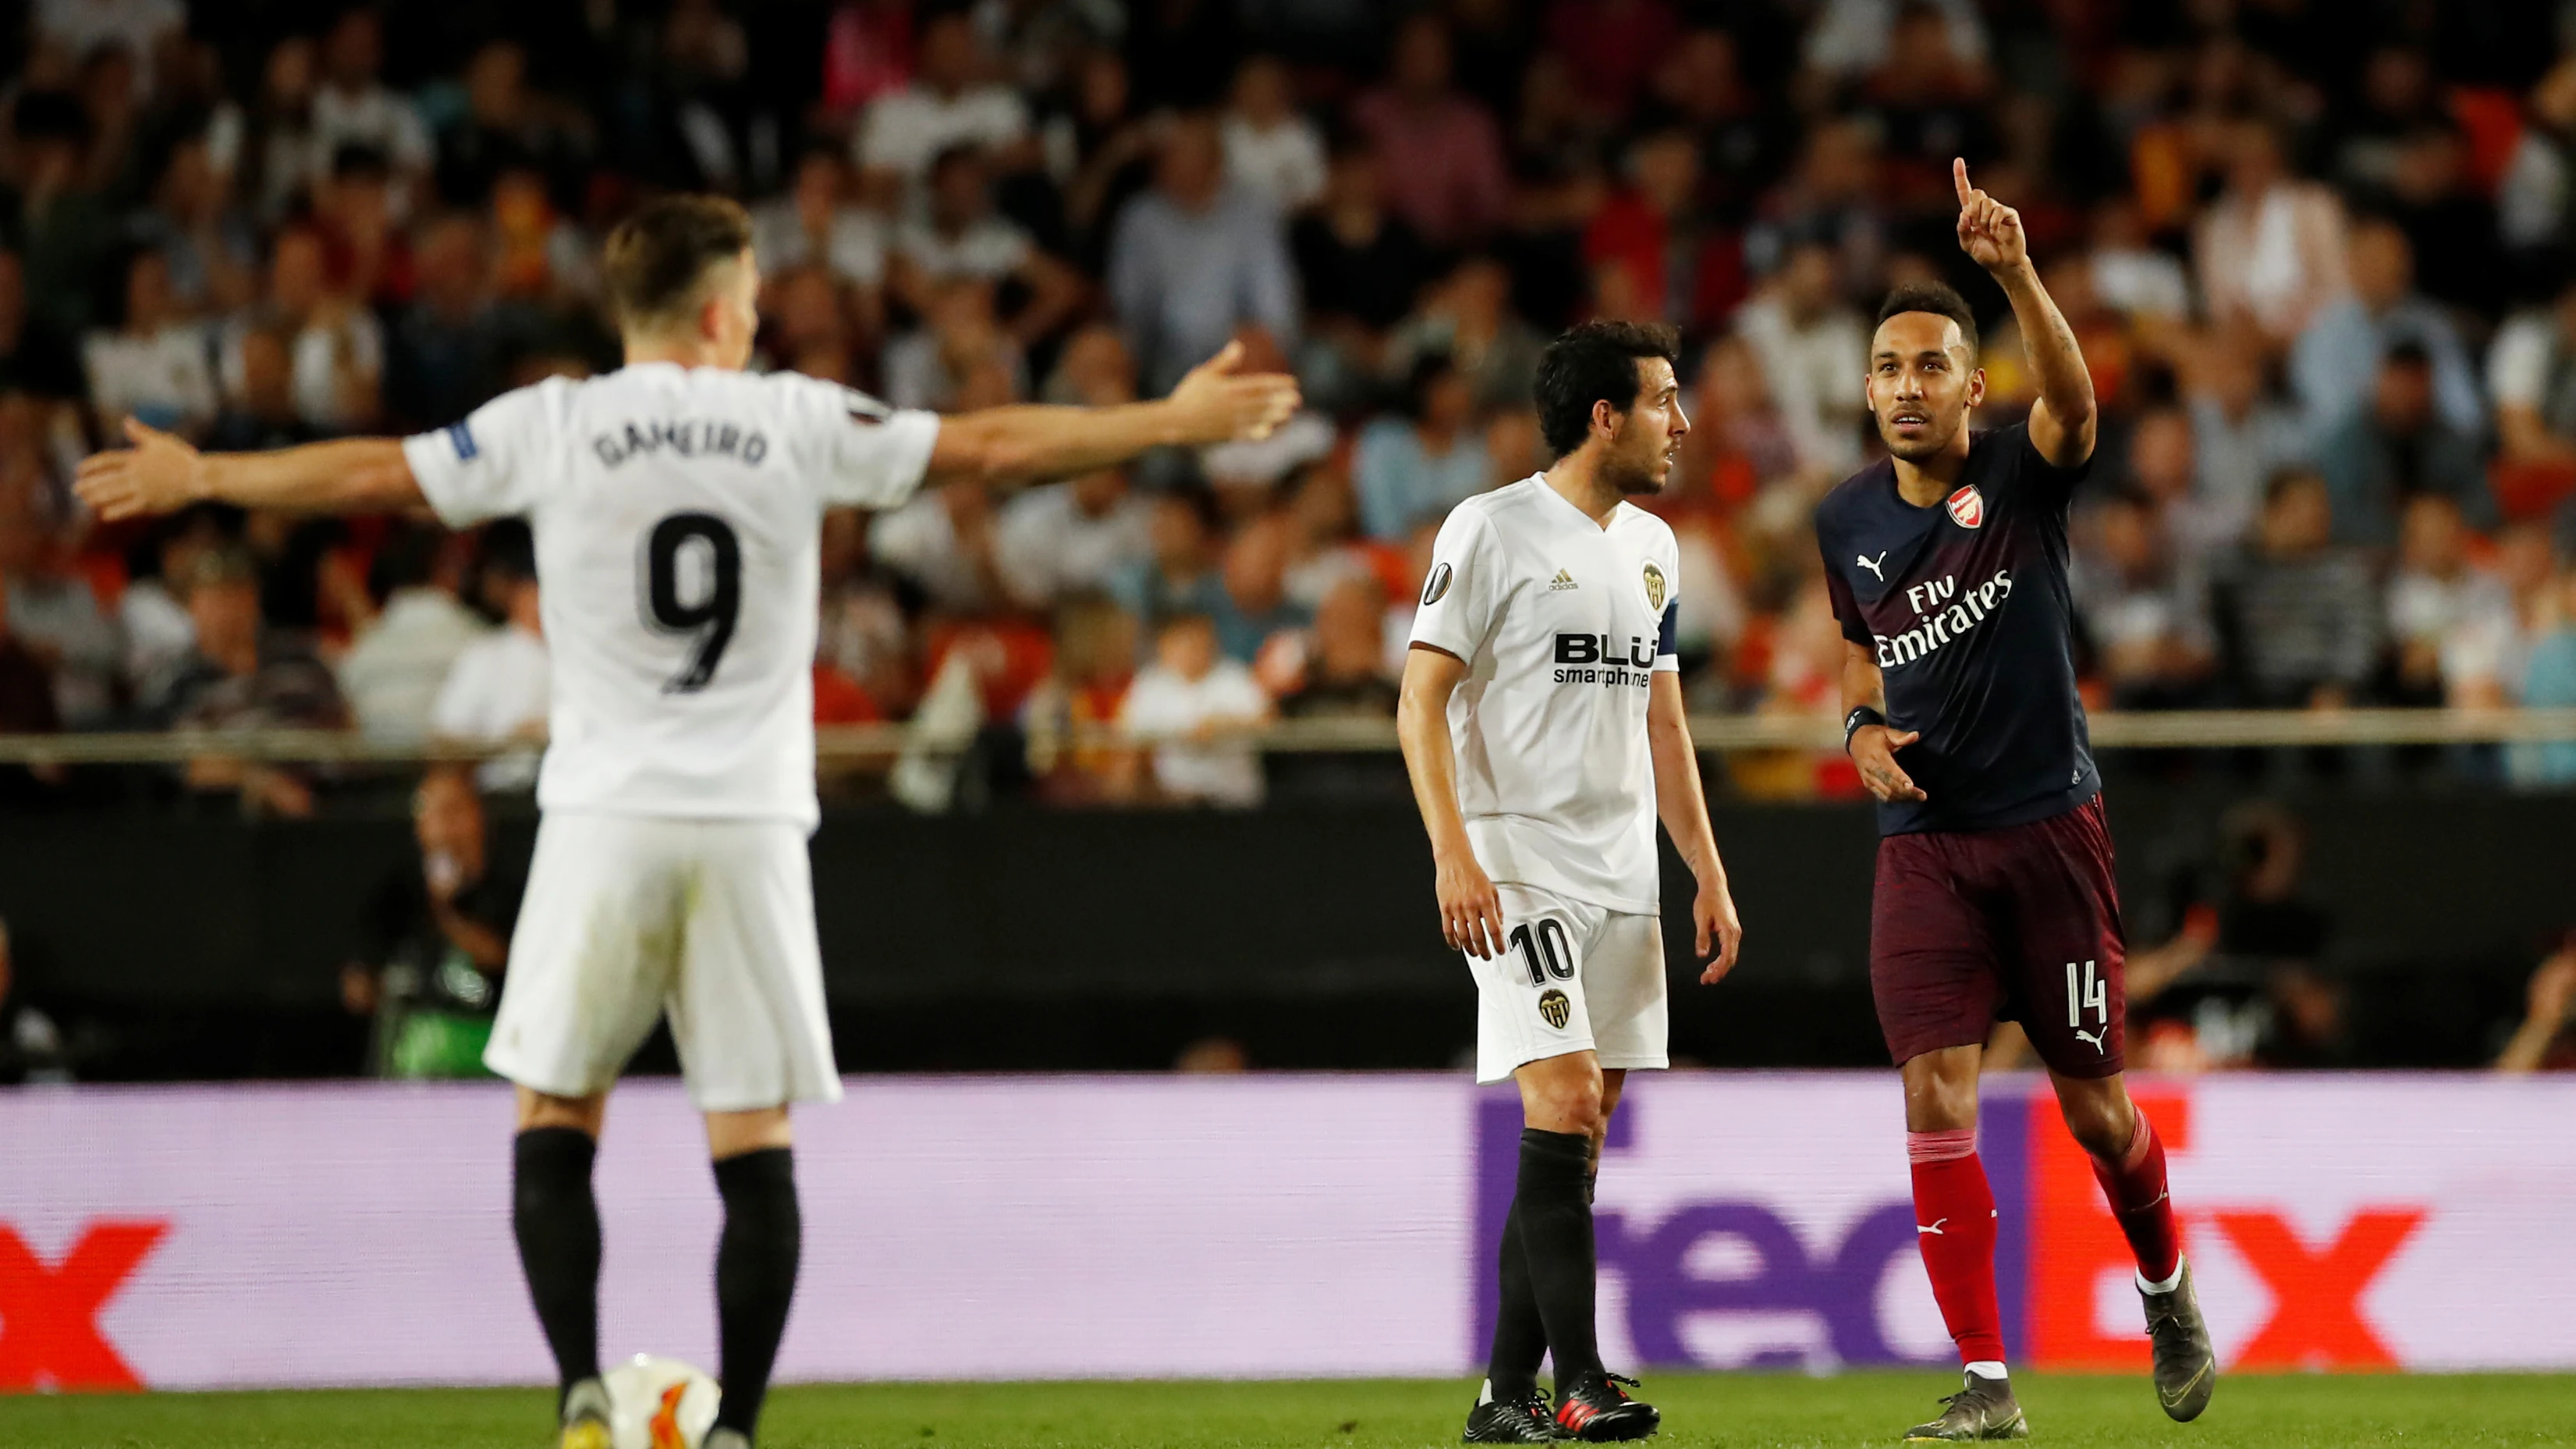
(678, 520)
(1965, 606)
(1562, 624)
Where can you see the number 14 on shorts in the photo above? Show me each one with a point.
(2085, 989)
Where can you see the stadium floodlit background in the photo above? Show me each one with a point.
(1108, 765)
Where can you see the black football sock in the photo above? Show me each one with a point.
(1520, 1335)
(755, 1276)
(1556, 1234)
(556, 1221)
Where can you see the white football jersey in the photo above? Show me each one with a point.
(1563, 625)
(678, 518)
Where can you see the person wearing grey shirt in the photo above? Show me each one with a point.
(1193, 259)
(2298, 616)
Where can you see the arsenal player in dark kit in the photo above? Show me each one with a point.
(1994, 895)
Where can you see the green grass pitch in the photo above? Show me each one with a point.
(1736, 1411)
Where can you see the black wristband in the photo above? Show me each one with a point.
(1853, 721)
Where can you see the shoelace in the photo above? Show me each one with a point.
(1615, 1380)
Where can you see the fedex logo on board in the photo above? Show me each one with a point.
(2056, 1248)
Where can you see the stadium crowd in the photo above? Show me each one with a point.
(2321, 258)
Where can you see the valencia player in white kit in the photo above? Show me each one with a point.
(677, 507)
(1543, 726)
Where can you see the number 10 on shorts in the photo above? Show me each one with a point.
(2085, 987)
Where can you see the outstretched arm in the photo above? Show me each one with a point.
(1213, 404)
(162, 473)
(2061, 422)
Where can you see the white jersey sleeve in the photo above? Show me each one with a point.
(856, 451)
(1464, 592)
(1668, 629)
(497, 461)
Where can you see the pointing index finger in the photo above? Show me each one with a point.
(1959, 177)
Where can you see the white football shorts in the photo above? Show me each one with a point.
(1572, 977)
(629, 918)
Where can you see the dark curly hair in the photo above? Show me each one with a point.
(1594, 362)
(1938, 298)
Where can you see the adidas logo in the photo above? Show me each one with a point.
(1563, 580)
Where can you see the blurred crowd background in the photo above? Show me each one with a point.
(2321, 256)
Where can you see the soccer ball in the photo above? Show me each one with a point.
(659, 1403)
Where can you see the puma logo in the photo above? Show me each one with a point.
(1933, 1231)
(1872, 564)
(2097, 1041)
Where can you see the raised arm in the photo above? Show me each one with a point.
(1682, 804)
(1471, 913)
(1213, 404)
(162, 473)
(2061, 422)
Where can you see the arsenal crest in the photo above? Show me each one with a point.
(1967, 507)
(1654, 588)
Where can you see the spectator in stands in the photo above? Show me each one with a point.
(2536, 197)
(2445, 611)
(443, 354)
(1439, 139)
(949, 103)
(942, 543)
(1655, 253)
(398, 664)
(1811, 345)
(54, 613)
(212, 252)
(2549, 682)
(959, 237)
(1361, 266)
(2543, 1043)
(1071, 537)
(1254, 609)
(2144, 609)
(1099, 152)
(2399, 449)
(1085, 685)
(1467, 317)
(817, 222)
(438, 939)
(2297, 616)
(261, 409)
(2240, 436)
(2531, 374)
(57, 222)
(2132, 276)
(2334, 368)
(1343, 674)
(2270, 250)
(239, 674)
(1424, 463)
(338, 349)
(1180, 577)
(153, 365)
(1831, 199)
(504, 125)
(1272, 150)
(961, 352)
(1192, 260)
(1191, 704)
(353, 107)
(499, 690)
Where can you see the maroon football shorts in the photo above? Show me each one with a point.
(1970, 927)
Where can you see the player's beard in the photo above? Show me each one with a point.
(1641, 477)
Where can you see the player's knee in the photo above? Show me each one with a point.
(2100, 1122)
(1568, 1102)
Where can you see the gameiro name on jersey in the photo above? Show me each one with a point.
(678, 522)
(1563, 625)
(1964, 604)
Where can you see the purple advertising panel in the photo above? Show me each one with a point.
(1034, 1227)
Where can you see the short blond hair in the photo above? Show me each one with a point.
(658, 259)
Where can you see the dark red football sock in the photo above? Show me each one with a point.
(1954, 1224)
(2135, 1188)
